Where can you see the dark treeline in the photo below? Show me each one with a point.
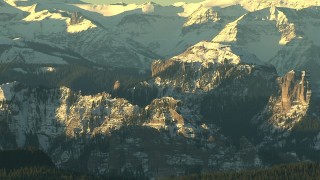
(35, 164)
(31, 164)
(89, 80)
(14, 159)
(303, 170)
(41, 173)
(36, 172)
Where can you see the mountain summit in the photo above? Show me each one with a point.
(152, 91)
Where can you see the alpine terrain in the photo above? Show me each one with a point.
(152, 91)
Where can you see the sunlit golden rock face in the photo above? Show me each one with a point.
(294, 89)
(160, 66)
(76, 18)
(222, 90)
(288, 106)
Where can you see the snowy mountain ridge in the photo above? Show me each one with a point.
(163, 32)
(209, 52)
(185, 102)
(159, 90)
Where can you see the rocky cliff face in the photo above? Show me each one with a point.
(185, 128)
(213, 107)
(243, 99)
(91, 133)
(295, 89)
(287, 107)
(75, 18)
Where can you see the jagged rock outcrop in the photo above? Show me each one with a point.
(243, 98)
(288, 106)
(205, 66)
(76, 18)
(212, 80)
(295, 89)
(164, 114)
(87, 132)
(159, 66)
(201, 16)
(212, 106)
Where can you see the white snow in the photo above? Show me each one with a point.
(108, 10)
(165, 30)
(47, 69)
(47, 19)
(29, 56)
(43, 15)
(82, 26)
(188, 8)
(210, 52)
(148, 8)
(220, 3)
(257, 30)
(202, 15)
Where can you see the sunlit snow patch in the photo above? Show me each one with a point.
(82, 26)
(148, 8)
(47, 69)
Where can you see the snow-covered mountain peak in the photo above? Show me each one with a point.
(108, 10)
(259, 29)
(61, 20)
(42, 15)
(262, 4)
(229, 33)
(148, 7)
(28, 56)
(188, 8)
(18, 2)
(10, 2)
(253, 5)
(295, 55)
(205, 91)
(119, 8)
(220, 3)
(202, 15)
(210, 52)
(77, 23)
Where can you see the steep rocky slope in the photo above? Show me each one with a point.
(90, 132)
(288, 33)
(200, 115)
(126, 35)
(247, 98)
(243, 98)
